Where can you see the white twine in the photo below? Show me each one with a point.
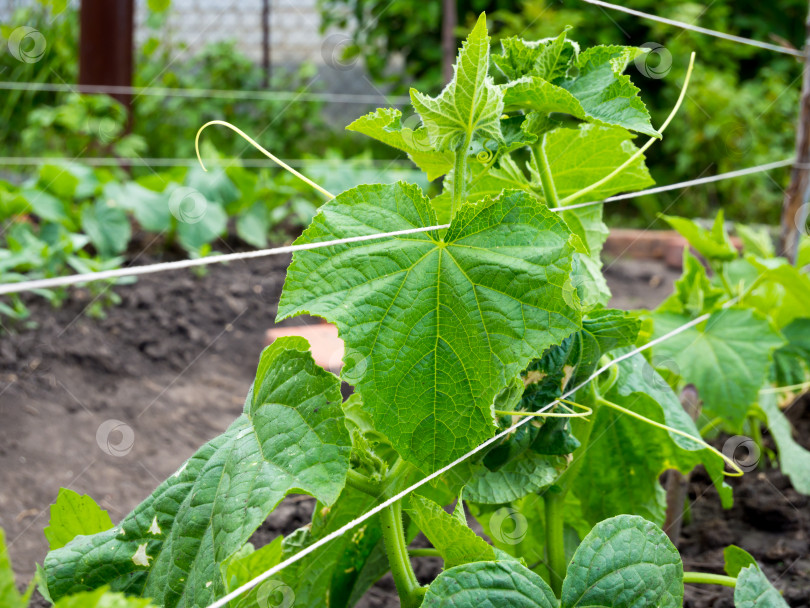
(189, 162)
(369, 514)
(697, 28)
(687, 184)
(180, 264)
(50, 283)
(209, 93)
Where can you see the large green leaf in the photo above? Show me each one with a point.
(470, 104)
(753, 590)
(605, 93)
(455, 541)
(385, 125)
(435, 326)
(503, 584)
(290, 437)
(73, 514)
(9, 596)
(107, 225)
(794, 460)
(624, 561)
(727, 358)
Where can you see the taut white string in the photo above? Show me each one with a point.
(697, 28)
(200, 93)
(50, 283)
(180, 264)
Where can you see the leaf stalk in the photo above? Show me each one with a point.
(409, 590)
(706, 578)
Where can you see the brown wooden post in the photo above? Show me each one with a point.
(449, 22)
(266, 58)
(105, 44)
(797, 191)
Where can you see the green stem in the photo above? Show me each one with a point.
(709, 579)
(459, 175)
(565, 480)
(555, 544)
(430, 552)
(408, 588)
(358, 481)
(720, 272)
(546, 179)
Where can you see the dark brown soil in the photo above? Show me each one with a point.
(173, 363)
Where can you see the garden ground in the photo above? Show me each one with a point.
(173, 363)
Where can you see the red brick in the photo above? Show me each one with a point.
(326, 347)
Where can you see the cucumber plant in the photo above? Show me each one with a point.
(451, 335)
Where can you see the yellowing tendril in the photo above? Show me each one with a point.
(738, 472)
(569, 414)
(261, 149)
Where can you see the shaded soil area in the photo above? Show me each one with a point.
(769, 519)
(112, 407)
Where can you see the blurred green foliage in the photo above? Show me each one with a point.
(39, 123)
(740, 109)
